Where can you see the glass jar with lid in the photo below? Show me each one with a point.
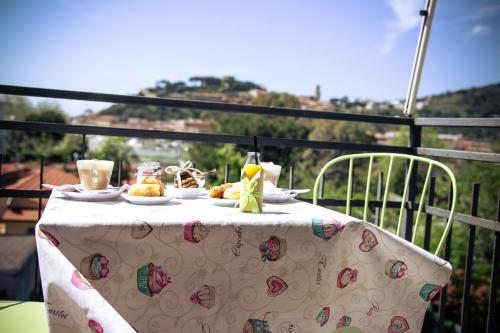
(148, 169)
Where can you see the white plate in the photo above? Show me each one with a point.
(187, 193)
(136, 200)
(97, 195)
(223, 202)
(279, 197)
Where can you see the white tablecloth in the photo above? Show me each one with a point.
(190, 266)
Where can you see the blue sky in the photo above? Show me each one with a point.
(358, 48)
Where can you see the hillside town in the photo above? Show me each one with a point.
(305, 102)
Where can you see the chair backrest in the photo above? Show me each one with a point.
(392, 157)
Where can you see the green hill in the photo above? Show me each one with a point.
(213, 87)
(481, 102)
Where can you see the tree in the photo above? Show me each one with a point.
(282, 100)
(16, 107)
(250, 125)
(29, 146)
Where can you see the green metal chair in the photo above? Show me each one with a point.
(23, 317)
(392, 157)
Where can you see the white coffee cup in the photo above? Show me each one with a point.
(95, 174)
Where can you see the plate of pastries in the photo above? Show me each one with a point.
(151, 191)
(225, 195)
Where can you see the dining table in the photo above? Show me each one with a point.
(192, 266)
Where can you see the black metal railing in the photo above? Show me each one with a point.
(415, 132)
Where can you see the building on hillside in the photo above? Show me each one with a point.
(95, 119)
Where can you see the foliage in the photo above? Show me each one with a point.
(29, 146)
(179, 89)
(16, 107)
(282, 100)
(150, 112)
(208, 157)
(227, 84)
(252, 125)
(480, 102)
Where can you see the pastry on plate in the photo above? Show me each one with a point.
(154, 181)
(145, 190)
(231, 193)
(218, 191)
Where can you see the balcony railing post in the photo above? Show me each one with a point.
(464, 318)
(226, 173)
(447, 253)
(492, 313)
(291, 178)
(380, 180)
(42, 162)
(428, 217)
(84, 147)
(119, 173)
(415, 139)
(321, 186)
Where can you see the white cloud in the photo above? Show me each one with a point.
(406, 17)
(479, 29)
(486, 11)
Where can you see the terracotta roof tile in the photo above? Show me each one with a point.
(24, 209)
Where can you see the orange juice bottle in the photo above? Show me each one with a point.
(250, 170)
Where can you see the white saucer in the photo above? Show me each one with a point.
(136, 200)
(223, 202)
(96, 195)
(278, 197)
(187, 193)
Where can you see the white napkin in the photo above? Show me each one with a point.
(80, 188)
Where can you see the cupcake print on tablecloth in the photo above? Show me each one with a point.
(195, 231)
(344, 321)
(429, 291)
(323, 316)
(272, 249)
(152, 279)
(346, 277)
(94, 267)
(95, 327)
(398, 324)
(326, 228)
(205, 296)
(79, 281)
(395, 269)
(256, 326)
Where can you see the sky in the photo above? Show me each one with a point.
(356, 48)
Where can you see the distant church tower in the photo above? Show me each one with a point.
(318, 92)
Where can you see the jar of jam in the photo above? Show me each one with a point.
(148, 169)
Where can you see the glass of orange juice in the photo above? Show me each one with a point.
(253, 170)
